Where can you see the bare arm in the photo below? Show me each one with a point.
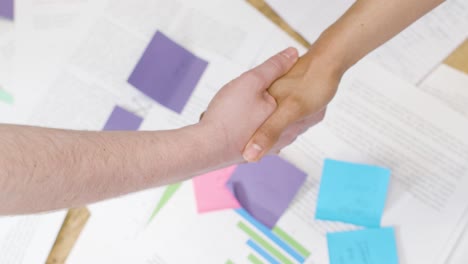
(306, 90)
(44, 169)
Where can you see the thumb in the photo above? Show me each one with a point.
(268, 134)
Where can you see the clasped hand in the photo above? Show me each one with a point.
(266, 108)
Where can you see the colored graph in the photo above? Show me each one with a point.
(270, 246)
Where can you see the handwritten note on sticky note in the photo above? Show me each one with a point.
(7, 9)
(211, 192)
(265, 189)
(167, 72)
(366, 246)
(352, 193)
(122, 120)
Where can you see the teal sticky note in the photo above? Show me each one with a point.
(368, 246)
(352, 193)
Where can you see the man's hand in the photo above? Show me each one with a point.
(240, 107)
(302, 96)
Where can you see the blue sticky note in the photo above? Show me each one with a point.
(368, 246)
(352, 193)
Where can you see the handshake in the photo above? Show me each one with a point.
(268, 107)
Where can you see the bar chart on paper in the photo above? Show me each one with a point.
(269, 246)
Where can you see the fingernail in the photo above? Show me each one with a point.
(252, 152)
(290, 53)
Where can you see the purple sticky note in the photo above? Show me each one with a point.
(7, 9)
(122, 120)
(167, 72)
(266, 189)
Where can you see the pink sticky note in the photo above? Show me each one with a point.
(211, 192)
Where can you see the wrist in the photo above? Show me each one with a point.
(215, 141)
(330, 55)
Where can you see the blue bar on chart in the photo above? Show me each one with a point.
(260, 251)
(271, 236)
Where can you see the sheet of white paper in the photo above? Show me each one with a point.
(28, 239)
(411, 55)
(450, 86)
(45, 33)
(376, 118)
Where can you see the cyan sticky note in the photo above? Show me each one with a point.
(368, 246)
(352, 193)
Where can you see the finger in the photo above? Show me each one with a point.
(268, 134)
(275, 67)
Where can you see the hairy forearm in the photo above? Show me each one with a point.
(45, 169)
(364, 27)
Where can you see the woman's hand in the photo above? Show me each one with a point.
(242, 106)
(302, 96)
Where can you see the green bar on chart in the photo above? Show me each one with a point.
(262, 242)
(6, 97)
(254, 259)
(291, 241)
(167, 195)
